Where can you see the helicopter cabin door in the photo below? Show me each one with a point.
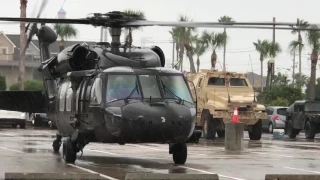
(83, 100)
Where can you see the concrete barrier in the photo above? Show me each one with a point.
(174, 176)
(292, 177)
(234, 136)
(52, 176)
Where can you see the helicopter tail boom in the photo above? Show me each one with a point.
(23, 101)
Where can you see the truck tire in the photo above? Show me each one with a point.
(256, 132)
(310, 130)
(209, 130)
(292, 132)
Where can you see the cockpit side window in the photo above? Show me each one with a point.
(96, 93)
(215, 81)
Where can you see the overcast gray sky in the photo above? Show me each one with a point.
(240, 45)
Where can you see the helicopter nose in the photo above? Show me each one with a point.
(168, 123)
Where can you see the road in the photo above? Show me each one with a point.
(30, 150)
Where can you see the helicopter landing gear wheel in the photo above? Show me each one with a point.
(69, 151)
(57, 143)
(179, 153)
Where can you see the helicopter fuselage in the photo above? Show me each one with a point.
(145, 111)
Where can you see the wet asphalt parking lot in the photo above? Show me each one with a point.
(30, 150)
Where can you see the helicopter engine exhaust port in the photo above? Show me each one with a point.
(160, 53)
(75, 58)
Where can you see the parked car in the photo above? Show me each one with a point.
(39, 119)
(303, 115)
(13, 118)
(276, 117)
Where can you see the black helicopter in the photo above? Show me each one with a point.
(111, 93)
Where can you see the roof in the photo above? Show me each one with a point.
(6, 36)
(54, 47)
(62, 11)
(255, 79)
(15, 39)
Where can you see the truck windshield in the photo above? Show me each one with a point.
(238, 82)
(215, 81)
(312, 106)
(121, 86)
(175, 86)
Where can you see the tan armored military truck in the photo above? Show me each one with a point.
(217, 94)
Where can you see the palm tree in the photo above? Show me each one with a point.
(65, 31)
(225, 19)
(313, 38)
(184, 37)
(199, 49)
(301, 80)
(140, 16)
(175, 36)
(263, 48)
(292, 48)
(300, 24)
(23, 14)
(213, 40)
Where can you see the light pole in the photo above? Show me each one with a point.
(285, 75)
(271, 74)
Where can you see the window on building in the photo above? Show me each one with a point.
(4, 51)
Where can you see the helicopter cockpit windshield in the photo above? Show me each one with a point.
(121, 86)
(146, 86)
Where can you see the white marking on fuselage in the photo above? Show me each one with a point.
(93, 172)
(207, 172)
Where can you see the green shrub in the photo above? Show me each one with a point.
(3, 84)
(29, 85)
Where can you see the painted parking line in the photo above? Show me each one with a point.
(8, 149)
(93, 172)
(207, 172)
(316, 172)
(157, 149)
(273, 154)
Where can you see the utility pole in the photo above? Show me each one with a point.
(273, 41)
(294, 66)
(173, 42)
(23, 14)
(101, 34)
(224, 50)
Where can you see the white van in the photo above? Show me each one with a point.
(13, 118)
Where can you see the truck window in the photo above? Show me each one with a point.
(215, 81)
(282, 111)
(269, 111)
(238, 82)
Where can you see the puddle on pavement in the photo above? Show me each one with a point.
(36, 150)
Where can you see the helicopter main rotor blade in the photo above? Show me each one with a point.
(118, 22)
(47, 20)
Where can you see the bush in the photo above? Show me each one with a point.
(280, 102)
(3, 84)
(29, 85)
